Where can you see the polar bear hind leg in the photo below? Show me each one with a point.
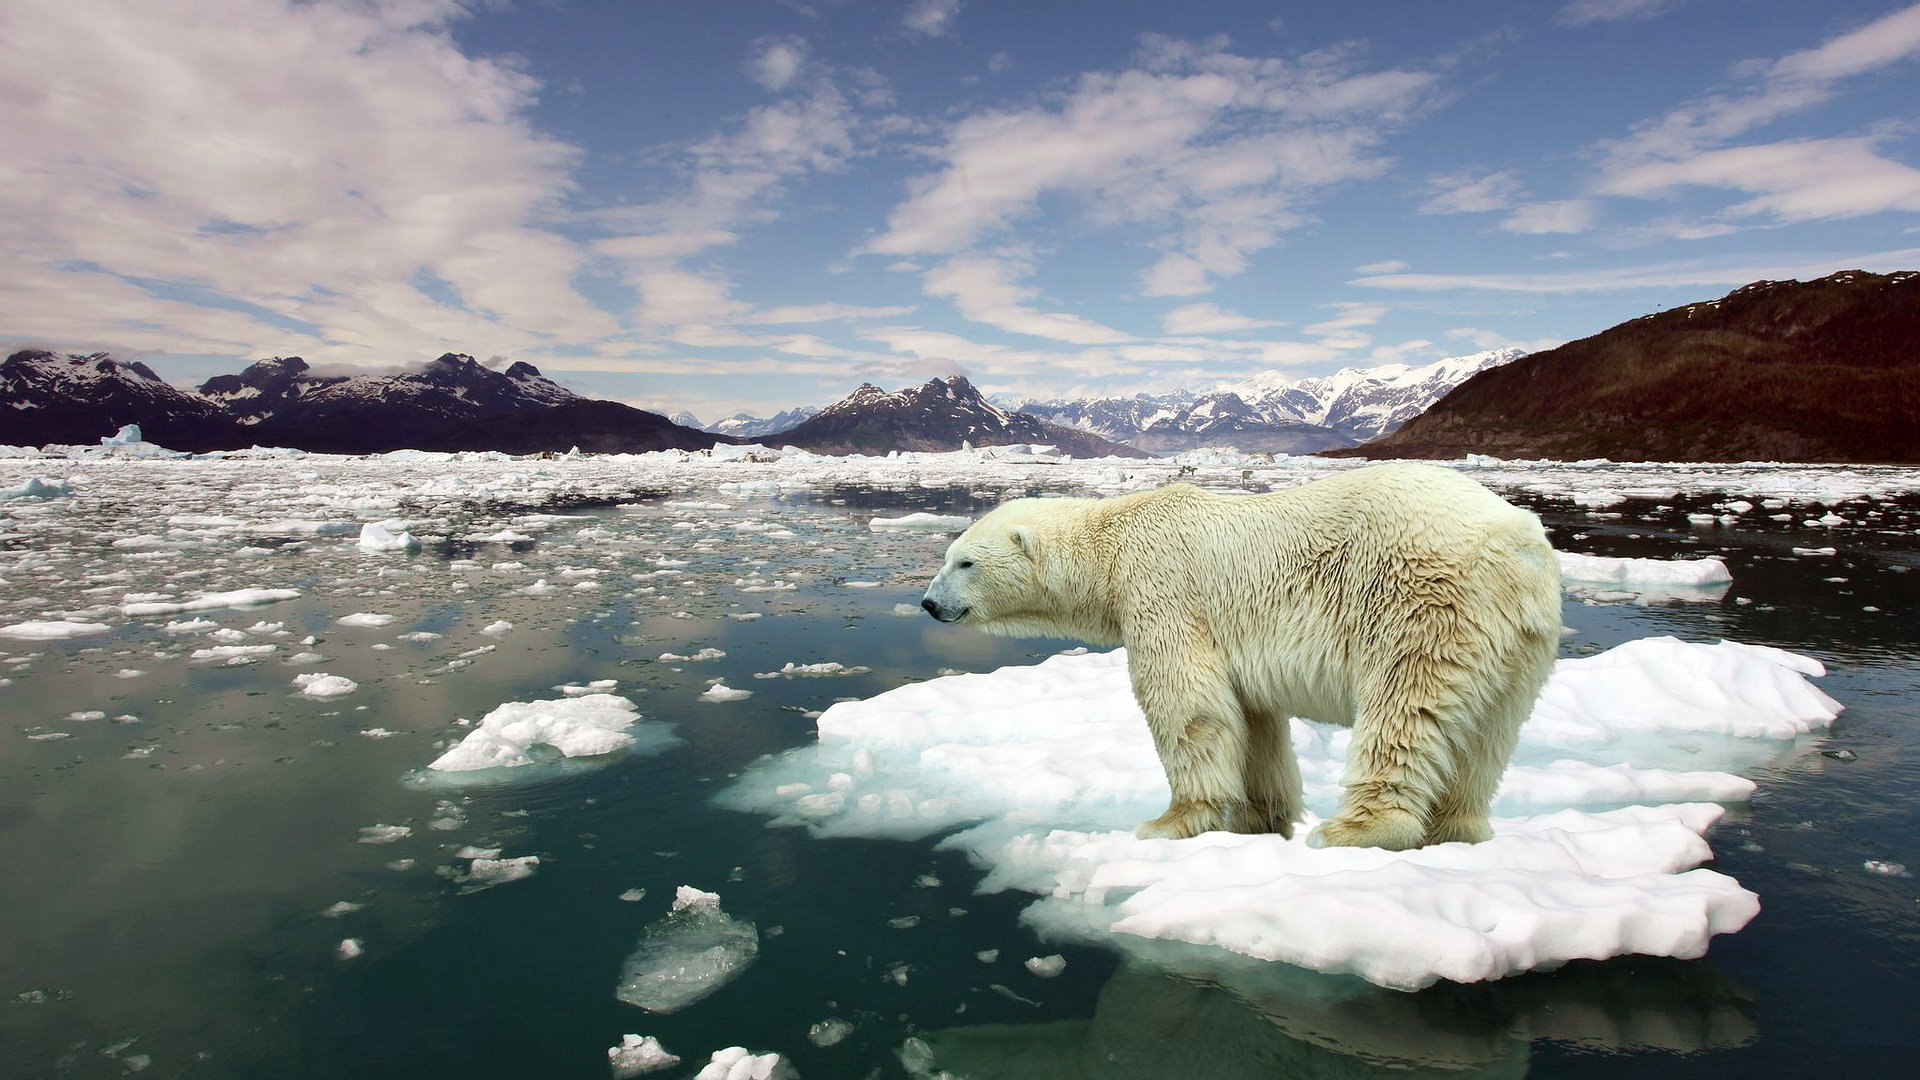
(1480, 755)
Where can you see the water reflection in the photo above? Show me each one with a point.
(1210, 1017)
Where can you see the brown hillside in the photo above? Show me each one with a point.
(1825, 370)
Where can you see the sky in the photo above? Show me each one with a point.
(732, 205)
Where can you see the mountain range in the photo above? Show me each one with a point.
(1823, 370)
(452, 403)
(942, 414)
(1272, 412)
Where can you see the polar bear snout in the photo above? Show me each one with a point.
(940, 611)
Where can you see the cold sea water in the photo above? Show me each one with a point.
(189, 843)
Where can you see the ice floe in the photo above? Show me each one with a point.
(637, 1055)
(739, 1063)
(53, 629)
(319, 684)
(583, 726)
(920, 522)
(378, 537)
(686, 956)
(1645, 580)
(236, 598)
(1047, 768)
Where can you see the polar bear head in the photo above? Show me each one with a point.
(1017, 571)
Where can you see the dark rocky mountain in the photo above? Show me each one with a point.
(1825, 370)
(264, 388)
(942, 415)
(1274, 412)
(53, 398)
(592, 425)
(452, 403)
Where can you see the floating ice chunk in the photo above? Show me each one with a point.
(341, 907)
(921, 522)
(908, 611)
(384, 834)
(1662, 683)
(591, 725)
(692, 952)
(375, 537)
(637, 1055)
(321, 685)
(349, 948)
(702, 655)
(233, 654)
(37, 488)
(1649, 580)
(720, 691)
(830, 667)
(53, 630)
(497, 628)
(1047, 967)
(365, 618)
(190, 626)
(829, 1032)
(238, 598)
(739, 1063)
(485, 873)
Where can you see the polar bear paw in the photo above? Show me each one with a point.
(1181, 821)
(1394, 830)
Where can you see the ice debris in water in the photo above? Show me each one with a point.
(720, 691)
(590, 725)
(1047, 966)
(1048, 767)
(384, 834)
(739, 1063)
(637, 1055)
(321, 685)
(364, 618)
(484, 872)
(692, 952)
(497, 627)
(1643, 580)
(53, 629)
(829, 1031)
(237, 598)
(37, 488)
(378, 537)
(349, 948)
(920, 522)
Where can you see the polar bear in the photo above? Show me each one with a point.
(1403, 599)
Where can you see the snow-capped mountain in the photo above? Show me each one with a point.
(748, 426)
(49, 397)
(940, 415)
(1272, 412)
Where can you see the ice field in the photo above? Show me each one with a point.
(470, 765)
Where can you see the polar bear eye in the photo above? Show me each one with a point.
(966, 564)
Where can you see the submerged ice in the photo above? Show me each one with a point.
(686, 956)
(1046, 769)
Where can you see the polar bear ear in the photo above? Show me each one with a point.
(1025, 540)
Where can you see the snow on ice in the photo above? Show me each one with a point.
(1049, 767)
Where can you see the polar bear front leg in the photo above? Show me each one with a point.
(1201, 736)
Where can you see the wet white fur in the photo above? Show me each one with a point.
(1405, 600)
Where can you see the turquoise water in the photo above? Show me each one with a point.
(170, 877)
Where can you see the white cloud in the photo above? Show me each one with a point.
(1795, 180)
(814, 313)
(987, 289)
(1218, 150)
(1562, 216)
(778, 63)
(1701, 273)
(1801, 180)
(931, 18)
(1189, 319)
(1584, 12)
(1471, 192)
(1389, 266)
(1490, 339)
(1351, 316)
(248, 151)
